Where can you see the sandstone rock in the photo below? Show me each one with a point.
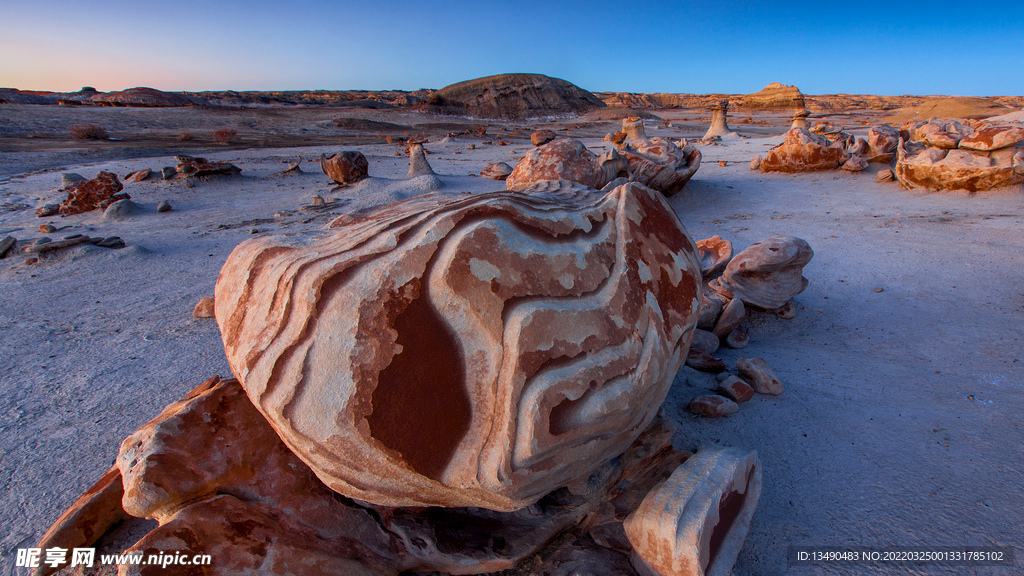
(705, 341)
(204, 308)
(700, 359)
(735, 389)
(633, 128)
(696, 521)
(430, 368)
(47, 228)
(200, 167)
(737, 339)
(767, 274)
(418, 165)
(168, 172)
(719, 126)
(566, 159)
(732, 315)
(48, 210)
(616, 137)
(755, 371)
(120, 210)
(138, 175)
(943, 139)
(787, 311)
(755, 164)
(855, 164)
(69, 180)
(659, 164)
(542, 137)
(711, 306)
(858, 148)
(993, 138)
(800, 119)
(882, 142)
(496, 170)
(345, 167)
(960, 169)
(99, 192)
(164, 206)
(712, 406)
(49, 245)
(715, 254)
(801, 151)
(6, 244)
(775, 96)
(111, 242)
(884, 176)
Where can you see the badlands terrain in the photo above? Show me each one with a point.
(901, 418)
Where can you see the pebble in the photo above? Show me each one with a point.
(47, 228)
(879, 290)
(48, 210)
(757, 373)
(737, 339)
(72, 236)
(735, 389)
(787, 311)
(712, 406)
(204, 308)
(6, 244)
(318, 201)
(541, 137)
(722, 163)
(164, 206)
(43, 240)
(705, 340)
(884, 176)
(168, 172)
(120, 210)
(723, 376)
(702, 360)
(112, 242)
(755, 164)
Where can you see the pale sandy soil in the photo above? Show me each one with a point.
(901, 421)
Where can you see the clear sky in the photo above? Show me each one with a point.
(961, 48)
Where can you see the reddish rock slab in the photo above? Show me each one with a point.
(100, 192)
(757, 373)
(478, 351)
(541, 137)
(993, 138)
(566, 159)
(735, 389)
(767, 274)
(712, 406)
(138, 175)
(696, 521)
(802, 152)
(700, 359)
(659, 164)
(345, 167)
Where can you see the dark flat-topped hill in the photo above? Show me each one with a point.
(513, 96)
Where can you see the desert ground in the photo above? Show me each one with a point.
(903, 411)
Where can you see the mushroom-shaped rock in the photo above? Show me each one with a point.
(496, 171)
(565, 159)
(345, 167)
(658, 163)
(715, 254)
(478, 351)
(882, 142)
(719, 125)
(767, 274)
(418, 165)
(696, 521)
(938, 169)
(802, 151)
(800, 119)
(633, 128)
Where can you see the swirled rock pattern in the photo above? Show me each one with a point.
(767, 274)
(481, 351)
(918, 166)
(566, 159)
(658, 163)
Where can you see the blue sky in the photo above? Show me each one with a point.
(963, 48)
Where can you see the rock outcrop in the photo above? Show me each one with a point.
(775, 96)
(766, 274)
(882, 141)
(100, 192)
(513, 96)
(945, 154)
(566, 159)
(147, 98)
(481, 351)
(802, 151)
(659, 164)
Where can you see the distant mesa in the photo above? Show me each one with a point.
(969, 107)
(146, 97)
(512, 96)
(774, 96)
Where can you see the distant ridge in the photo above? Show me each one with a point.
(512, 96)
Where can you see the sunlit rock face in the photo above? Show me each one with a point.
(566, 159)
(474, 350)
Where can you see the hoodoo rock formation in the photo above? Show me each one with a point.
(513, 96)
(476, 352)
(719, 126)
(768, 273)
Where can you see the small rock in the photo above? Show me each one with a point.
(43, 240)
(472, 146)
(884, 176)
(787, 311)
(72, 236)
(711, 307)
(318, 201)
(204, 309)
(722, 163)
(293, 168)
(46, 244)
(700, 359)
(70, 180)
(855, 164)
(111, 242)
(705, 340)
(737, 339)
(756, 372)
(164, 206)
(723, 376)
(6, 244)
(541, 137)
(120, 210)
(168, 172)
(345, 167)
(712, 406)
(755, 164)
(47, 228)
(732, 315)
(735, 389)
(36, 261)
(496, 170)
(138, 175)
(48, 210)
(877, 290)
